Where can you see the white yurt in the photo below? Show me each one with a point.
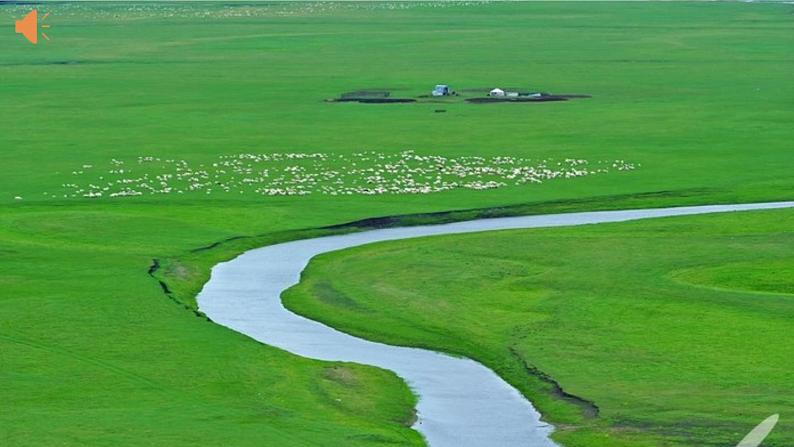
(496, 92)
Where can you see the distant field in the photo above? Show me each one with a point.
(696, 93)
(696, 96)
(674, 329)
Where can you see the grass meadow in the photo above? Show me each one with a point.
(668, 332)
(696, 95)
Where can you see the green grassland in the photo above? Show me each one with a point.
(675, 329)
(698, 95)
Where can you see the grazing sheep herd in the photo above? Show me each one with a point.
(231, 10)
(296, 173)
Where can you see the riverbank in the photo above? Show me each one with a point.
(244, 295)
(655, 322)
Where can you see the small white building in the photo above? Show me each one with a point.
(441, 90)
(496, 92)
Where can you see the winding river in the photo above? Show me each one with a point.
(461, 402)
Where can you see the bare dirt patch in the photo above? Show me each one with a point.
(542, 98)
(371, 96)
(375, 100)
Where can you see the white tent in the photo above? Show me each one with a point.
(496, 92)
(441, 90)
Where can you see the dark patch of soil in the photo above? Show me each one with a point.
(371, 96)
(494, 99)
(365, 94)
(375, 100)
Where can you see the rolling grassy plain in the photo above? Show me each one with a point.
(674, 331)
(698, 94)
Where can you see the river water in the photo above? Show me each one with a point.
(461, 402)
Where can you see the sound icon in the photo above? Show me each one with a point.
(29, 27)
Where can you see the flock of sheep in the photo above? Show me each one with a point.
(293, 174)
(230, 10)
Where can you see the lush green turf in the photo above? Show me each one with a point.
(698, 94)
(94, 354)
(657, 323)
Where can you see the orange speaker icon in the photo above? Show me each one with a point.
(29, 27)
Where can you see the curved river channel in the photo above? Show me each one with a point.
(461, 402)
